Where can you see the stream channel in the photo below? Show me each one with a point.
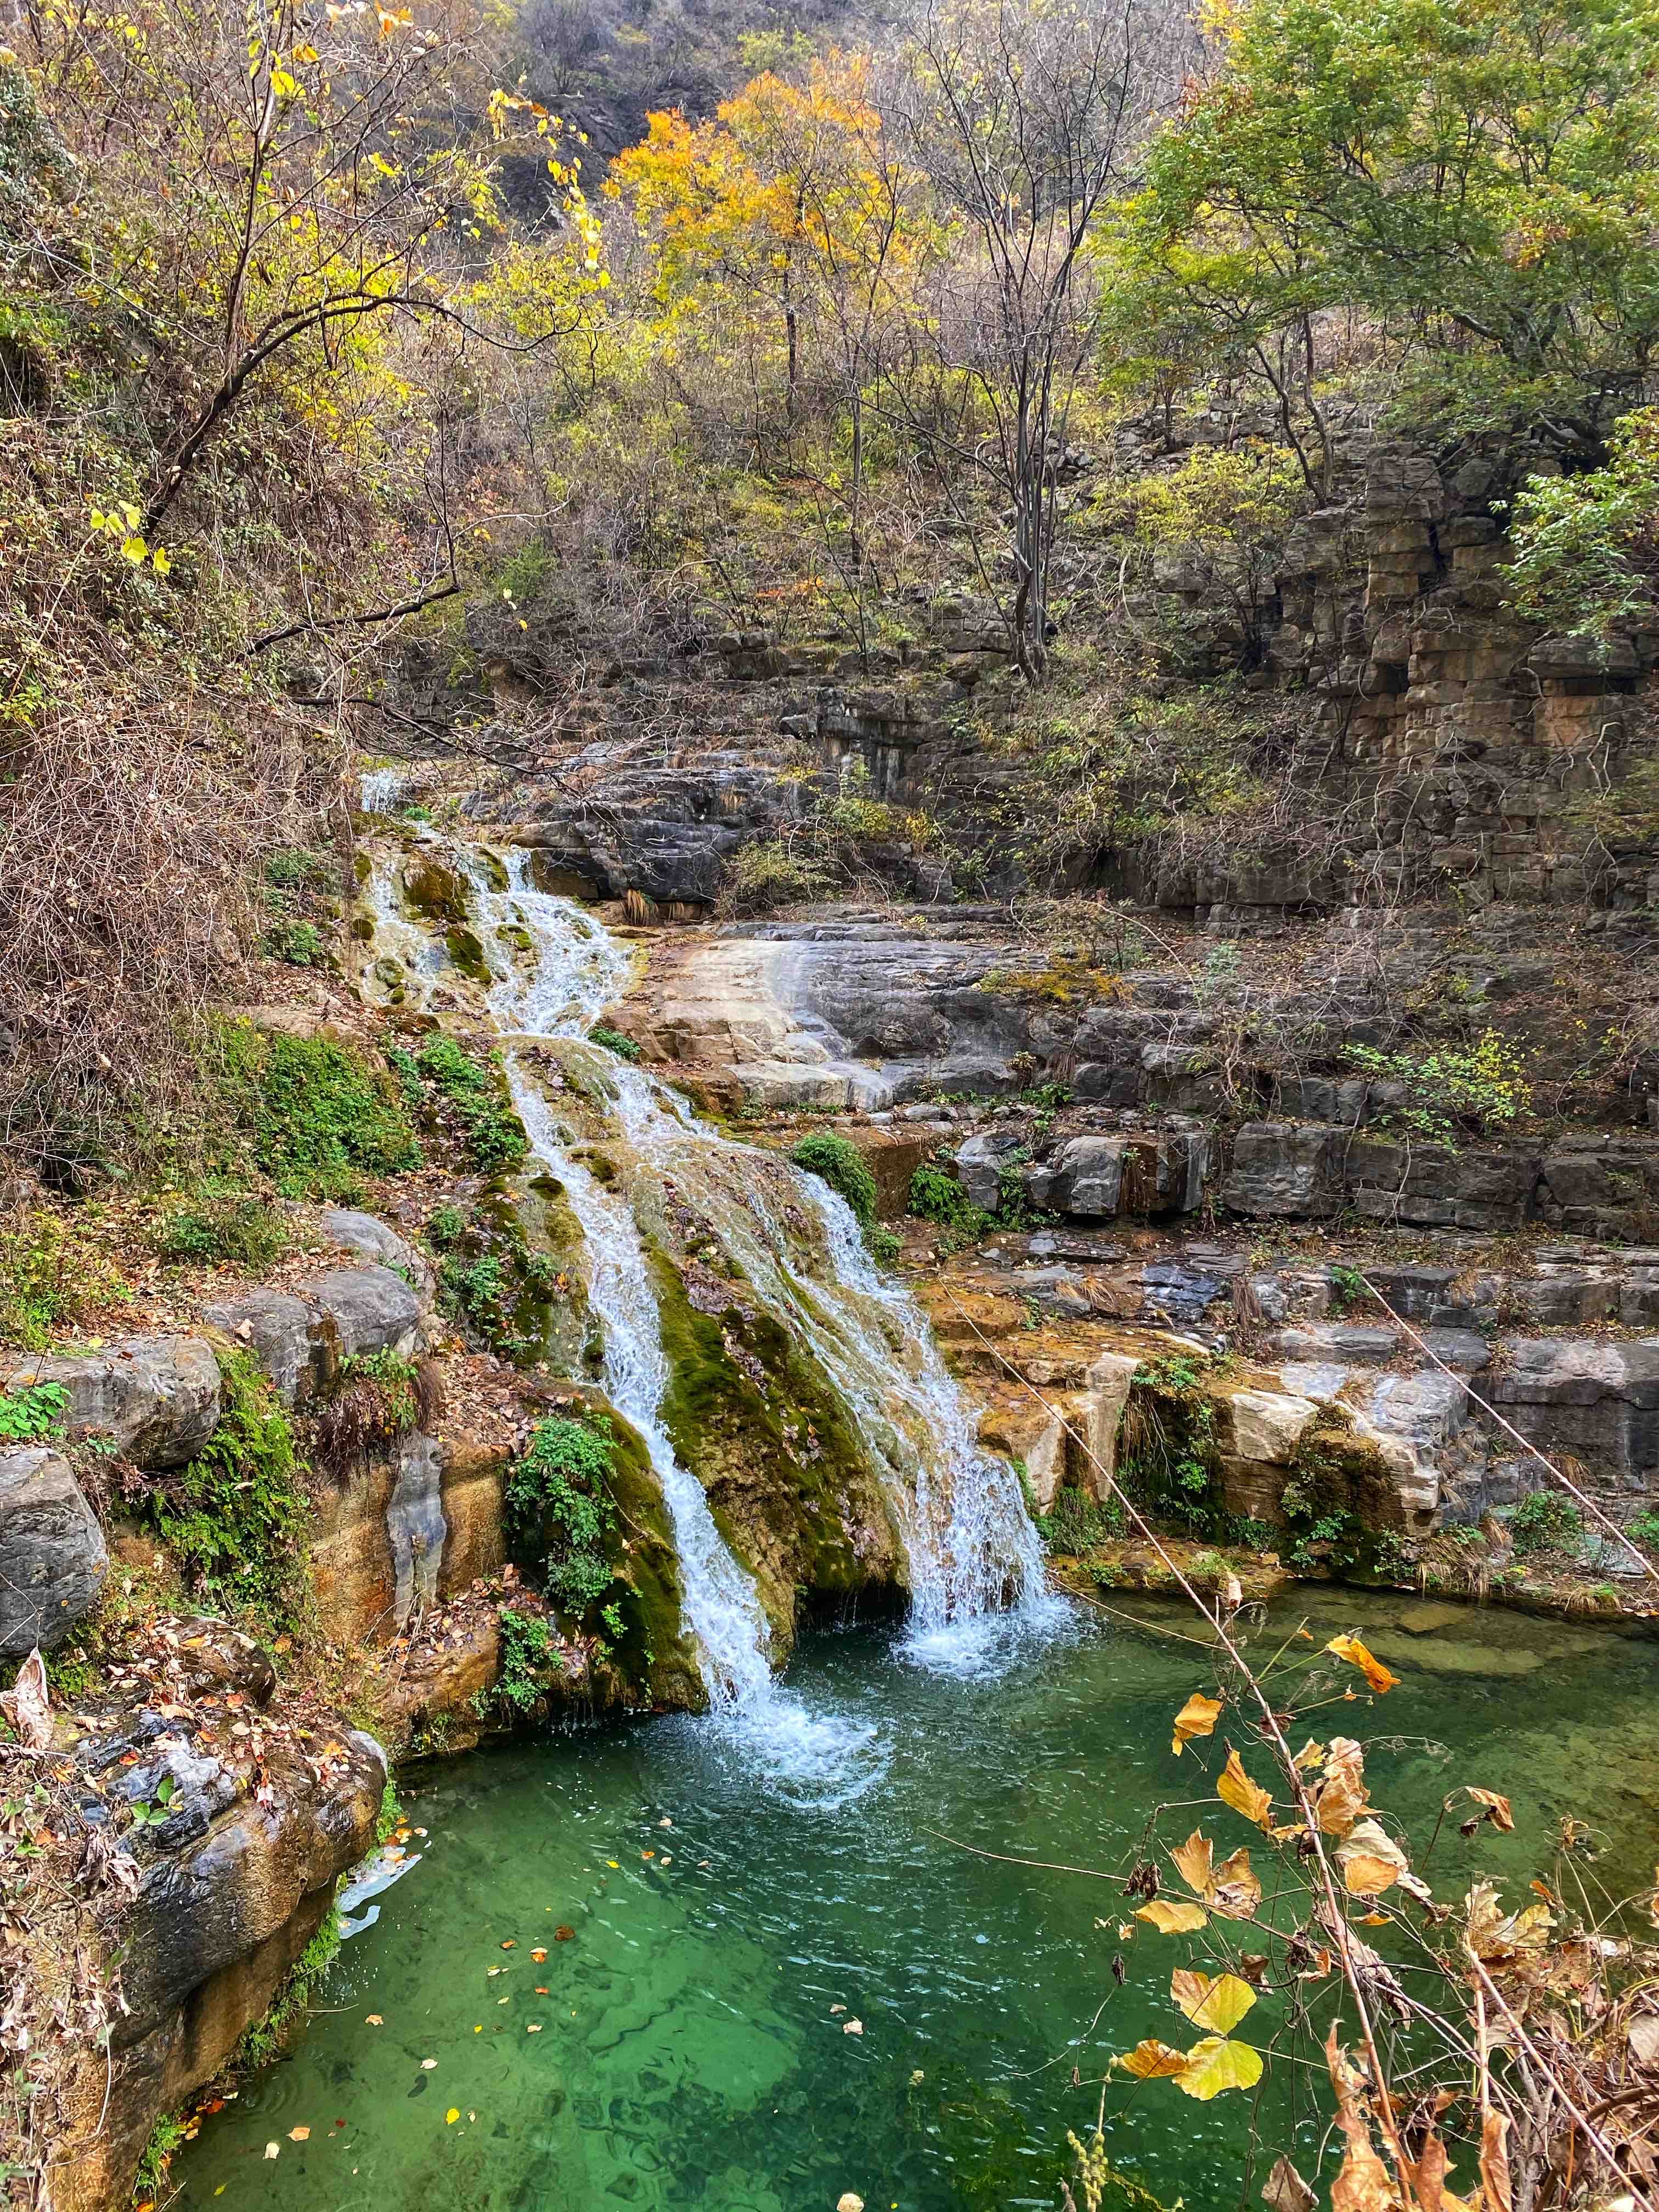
(688, 2054)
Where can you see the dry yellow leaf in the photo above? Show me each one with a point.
(1236, 1788)
(1193, 1861)
(299, 2134)
(1308, 1760)
(1174, 1916)
(1150, 2059)
(1198, 1717)
(1342, 1796)
(1497, 1806)
(1366, 1875)
(1235, 1892)
(1362, 2184)
(1350, 1648)
(1495, 2161)
(1217, 2002)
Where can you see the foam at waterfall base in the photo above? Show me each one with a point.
(815, 1761)
(979, 1647)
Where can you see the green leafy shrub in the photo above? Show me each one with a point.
(1168, 1452)
(614, 1041)
(559, 1504)
(1644, 1530)
(299, 944)
(445, 1226)
(32, 1412)
(297, 868)
(491, 1282)
(318, 1116)
(529, 1652)
(236, 1517)
(473, 1094)
(1586, 547)
(1075, 1523)
(246, 1232)
(1545, 1521)
(838, 1163)
(1477, 1087)
(1348, 1288)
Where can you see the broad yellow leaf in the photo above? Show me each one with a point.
(452, 2116)
(134, 549)
(1350, 1648)
(1198, 1717)
(299, 2134)
(1217, 2003)
(1366, 1875)
(1308, 1759)
(1174, 1916)
(1215, 2065)
(1193, 1862)
(1236, 1788)
(1150, 2060)
(1234, 1892)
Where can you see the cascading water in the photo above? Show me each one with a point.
(974, 1558)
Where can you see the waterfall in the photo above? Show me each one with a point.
(974, 1561)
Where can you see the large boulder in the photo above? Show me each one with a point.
(284, 1334)
(367, 1309)
(374, 1240)
(1599, 1401)
(155, 1397)
(52, 1555)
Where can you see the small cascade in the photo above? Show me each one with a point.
(974, 1561)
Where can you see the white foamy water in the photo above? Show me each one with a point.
(974, 1563)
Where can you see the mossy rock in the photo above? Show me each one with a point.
(433, 891)
(772, 1444)
(657, 1653)
(466, 955)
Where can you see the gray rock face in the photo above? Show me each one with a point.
(282, 1332)
(375, 1240)
(52, 1555)
(157, 1397)
(1598, 1401)
(979, 1168)
(366, 1309)
(1286, 1170)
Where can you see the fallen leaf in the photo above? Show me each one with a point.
(563, 1934)
(1198, 1717)
(534, 2028)
(427, 2065)
(299, 2134)
(540, 1992)
(511, 1944)
(1150, 2060)
(849, 2201)
(1173, 1916)
(452, 2116)
(273, 2150)
(852, 2027)
(1215, 2065)
(1350, 1648)
(1236, 1788)
(1217, 2003)
(374, 2020)
(1643, 2036)
(539, 1956)
(27, 1704)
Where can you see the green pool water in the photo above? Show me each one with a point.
(690, 2054)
